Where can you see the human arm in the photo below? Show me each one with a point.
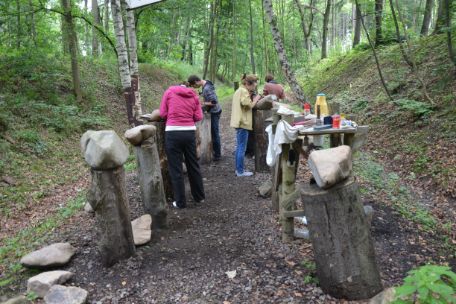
(246, 101)
(164, 105)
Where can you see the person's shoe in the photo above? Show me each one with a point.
(176, 206)
(199, 202)
(245, 173)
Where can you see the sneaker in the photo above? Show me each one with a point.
(245, 173)
(199, 202)
(176, 206)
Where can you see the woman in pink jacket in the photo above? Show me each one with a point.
(180, 108)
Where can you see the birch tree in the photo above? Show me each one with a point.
(286, 68)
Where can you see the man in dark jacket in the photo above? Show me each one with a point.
(211, 101)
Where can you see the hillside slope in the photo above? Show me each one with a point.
(42, 174)
(410, 136)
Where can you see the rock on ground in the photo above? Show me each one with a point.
(142, 229)
(17, 300)
(54, 255)
(59, 294)
(265, 189)
(385, 297)
(40, 284)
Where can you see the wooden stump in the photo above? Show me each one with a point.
(261, 139)
(205, 146)
(151, 182)
(343, 248)
(108, 198)
(160, 125)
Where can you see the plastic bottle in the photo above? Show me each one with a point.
(336, 121)
(306, 109)
(321, 101)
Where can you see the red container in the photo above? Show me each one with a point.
(336, 121)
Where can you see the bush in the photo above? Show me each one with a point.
(428, 284)
(417, 108)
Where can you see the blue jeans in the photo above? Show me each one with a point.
(242, 136)
(215, 134)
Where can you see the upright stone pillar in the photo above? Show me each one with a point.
(106, 154)
(143, 138)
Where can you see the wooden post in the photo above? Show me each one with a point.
(107, 196)
(288, 194)
(343, 247)
(205, 147)
(261, 139)
(276, 170)
(151, 182)
(160, 139)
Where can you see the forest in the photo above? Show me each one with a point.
(70, 66)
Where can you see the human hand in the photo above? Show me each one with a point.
(256, 98)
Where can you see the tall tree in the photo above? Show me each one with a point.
(72, 43)
(106, 16)
(286, 68)
(448, 10)
(440, 21)
(382, 79)
(252, 44)
(427, 17)
(324, 41)
(306, 29)
(378, 22)
(96, 22)
(357, 25)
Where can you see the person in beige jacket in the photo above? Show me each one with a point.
(241, 119)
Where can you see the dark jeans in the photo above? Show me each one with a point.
(242, 136)
(215, 134)
(179, 144)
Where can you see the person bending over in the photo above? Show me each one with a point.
(211, 101)
(241, 119)
(273, 88)
(180, 108)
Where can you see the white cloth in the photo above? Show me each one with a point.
(285, 134)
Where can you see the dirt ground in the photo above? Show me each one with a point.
(233, 230)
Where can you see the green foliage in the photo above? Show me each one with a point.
(32, 296)
(429, 284)
(417, 108)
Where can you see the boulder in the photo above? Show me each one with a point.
(265, 190)
(40, 284)
(88, 208)
(330, 166)
(384, 297)
(103, 150)
(369, 213)
(266, 103)
(59, 294)
(17, 300)
(138, 134)
(54, 255)
(142, 229)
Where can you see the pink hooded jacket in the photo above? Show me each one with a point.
(180, 107)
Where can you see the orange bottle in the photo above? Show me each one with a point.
(336, 121)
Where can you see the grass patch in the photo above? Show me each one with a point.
(31, 238)
(380, 183)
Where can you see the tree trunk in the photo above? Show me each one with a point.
(19, 24)
(96, 22)
(205, 139)
(107, 196)
(32, 22)
(151, 182)
(378, 22)
(324, 40)
(440, 22)
(448, 10)
(374, 53)
(252, 44)
(261, 139)
(160, 125)
(306, 30)
(234, 51)
(357, 29)
(341, 239)
(207, 50)
(286, 68)
(427, 17)
(122, 58)
(106, 16)
(73, 48)
(134, 67)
